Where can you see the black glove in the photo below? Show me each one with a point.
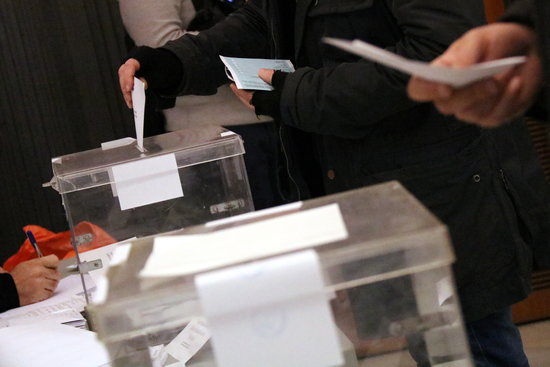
(269, 103)
(161, 68)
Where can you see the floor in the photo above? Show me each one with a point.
(536, 339)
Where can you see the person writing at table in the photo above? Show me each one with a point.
(29, 282)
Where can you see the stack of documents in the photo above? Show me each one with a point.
(64, 307)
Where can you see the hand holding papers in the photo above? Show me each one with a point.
(451, 76)
(244, 72)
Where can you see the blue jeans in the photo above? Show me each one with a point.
(496, 342)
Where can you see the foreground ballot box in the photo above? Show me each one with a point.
(306, 284)
(178, 179)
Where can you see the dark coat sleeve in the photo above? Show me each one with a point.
(534, 14)
(9, 298)
(242, 34)
(344, 100)
(521, 12)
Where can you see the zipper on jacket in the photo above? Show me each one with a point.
(504, 181)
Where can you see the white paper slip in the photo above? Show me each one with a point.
(270, 313)
(138, 101)
(244, 72)
(48, 344)
(452, 76)
(189, 341)
(147, 181)
(181, 255)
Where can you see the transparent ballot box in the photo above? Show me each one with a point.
(361, 278)
(176, 180)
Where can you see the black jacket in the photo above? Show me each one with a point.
(9, 298)
(535, 14)
(347, 123)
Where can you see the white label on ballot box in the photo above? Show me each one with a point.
(188, 254)
(270, 313)
(147, 181)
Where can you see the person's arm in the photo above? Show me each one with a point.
(153, 23)
(343, 100)
(191, 64)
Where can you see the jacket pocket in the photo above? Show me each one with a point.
(466, 193)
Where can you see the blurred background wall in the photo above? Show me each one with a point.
(59, 94)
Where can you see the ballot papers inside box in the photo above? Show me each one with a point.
(178, 179)
(322, 283)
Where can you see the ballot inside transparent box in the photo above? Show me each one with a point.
(175, 180)
(386, 283)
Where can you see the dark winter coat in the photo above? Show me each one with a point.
(348, 123)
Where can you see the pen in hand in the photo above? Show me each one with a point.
(33, 242)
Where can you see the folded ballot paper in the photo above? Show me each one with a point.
(452, 76)
(244, 72)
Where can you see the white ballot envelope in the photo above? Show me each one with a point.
(244, 72)
(452, 76)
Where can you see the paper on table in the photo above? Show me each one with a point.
(189, 341)
(64, 316)
(180, 255)
(147, 181)
(69, 296)
(244, 72)
(452, 76)
(49, 344)
(138, 101)
(267, 310)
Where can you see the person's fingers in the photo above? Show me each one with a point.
(508, 107)
(476, 113)
(466, 51)
(521, 87)
(422, 90)
(266, 75)
(50, 261)
(126, 74)
(50, 285)
(144, 83)
(468, 97)
(244, 95)
(126, 85)
(52, 274)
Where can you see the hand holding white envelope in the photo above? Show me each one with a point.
(452, 76)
